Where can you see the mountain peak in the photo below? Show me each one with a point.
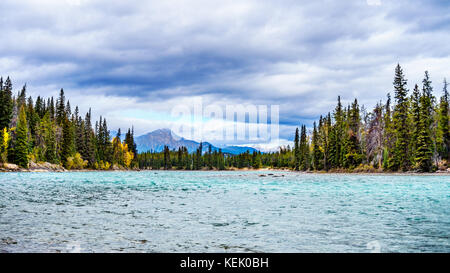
(161, 131)
(157, 139)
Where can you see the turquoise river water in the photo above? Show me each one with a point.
(175, 211)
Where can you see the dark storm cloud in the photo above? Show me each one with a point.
(422, 16)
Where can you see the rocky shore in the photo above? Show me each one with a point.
(34, 167)
(49, 167)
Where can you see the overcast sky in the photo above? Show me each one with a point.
(132, 61)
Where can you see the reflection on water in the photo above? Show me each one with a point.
(222, 212)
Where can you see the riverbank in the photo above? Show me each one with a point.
(34, 167)
(48, 167)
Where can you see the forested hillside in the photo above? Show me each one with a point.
(47, 130)
(409, 132)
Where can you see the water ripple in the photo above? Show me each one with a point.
(222, 212)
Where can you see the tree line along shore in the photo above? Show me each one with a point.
(409, 133)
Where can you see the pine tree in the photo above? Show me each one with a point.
(388, 134)
(167, 164)
(50, 154)
(414, 122)
(209, 157)
(106, 143)
(68, 110)
(353, 156)
(129, 140)
(320, 142)
(6, 104)
(60, 108)
(317, 153)
(180, 162)
(304, 150)
(21, 146)
(400, 123)
(40, 107)
(221, 161)
(68, 145)
(198, 157)
(424, 151)
(117, 149)
(336, 137)
(133, 146)
(256, 160)
(89, 138)
(33, 121)
(51, 106)
(296, 150)
(327, 143)
(443, 126)
(80, 141)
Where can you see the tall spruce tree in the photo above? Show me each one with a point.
(33, 121)
(304, 150)
(353, 156)
(400, 160)
(6, 104)
(51, 107)
(424, 152)
(296, 150)
(106, 142)
(414, 121)
(80, 142)
(68, 109)
(327, 142)
(388, 133)
(21, 148)
(89, 138)
(337, 135)
(40, 107)
(129, 140)
(221, 161)
(167, 164)
(51, 154)
(133, 147)
(180, 162)
(68, 145)
(443, 126)
(317, 153)
(60, 108)
(198, 157)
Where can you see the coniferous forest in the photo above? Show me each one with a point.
(47, 130)
(407, 132)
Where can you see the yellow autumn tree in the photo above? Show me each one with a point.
(127, 155)
(117, 151)
(4, 138)
(121, 155)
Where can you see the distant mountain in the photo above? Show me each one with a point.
(238, 149)
(156, 140)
